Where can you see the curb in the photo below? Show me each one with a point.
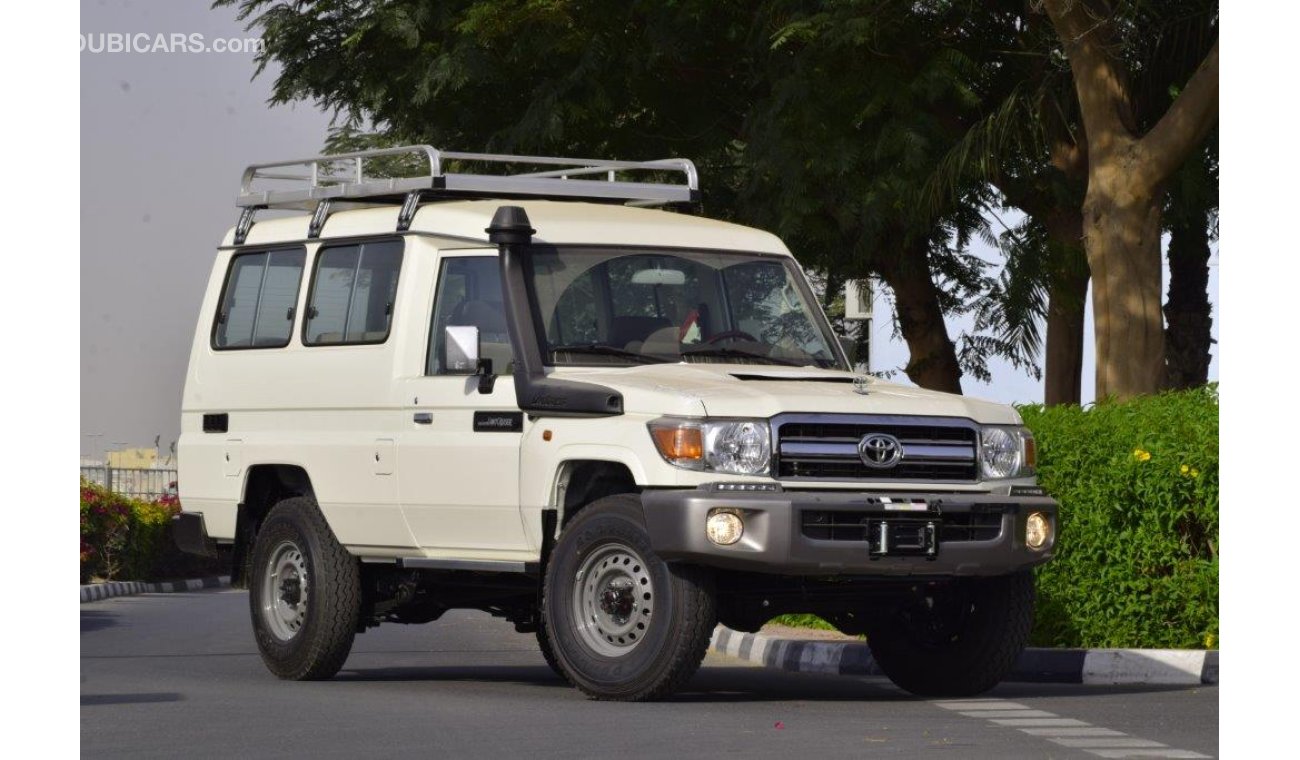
(1082, 666)
(94, 592)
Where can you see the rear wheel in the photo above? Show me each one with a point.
(624, 624)
(958, 640)
(304, 593)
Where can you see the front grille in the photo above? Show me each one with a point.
(850, 525)
(825, 447)
(970, 526)
(827, 525)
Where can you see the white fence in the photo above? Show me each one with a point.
(146, 483)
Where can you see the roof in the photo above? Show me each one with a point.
(557, 222)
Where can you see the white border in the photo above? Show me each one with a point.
(1259, 276)
(40, 375)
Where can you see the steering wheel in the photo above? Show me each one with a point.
(731, 334)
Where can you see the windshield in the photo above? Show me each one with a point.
(621, 307)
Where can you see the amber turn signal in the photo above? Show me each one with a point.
(679, 443)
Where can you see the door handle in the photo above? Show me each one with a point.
(423, 418)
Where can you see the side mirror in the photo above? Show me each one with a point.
(461, 356)
(460, 351)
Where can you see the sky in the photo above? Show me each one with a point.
(164, 139)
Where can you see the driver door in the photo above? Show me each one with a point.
(459, 457)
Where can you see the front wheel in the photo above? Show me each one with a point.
(548, 652)
(623, 624)
(304, 593)
(956, 640)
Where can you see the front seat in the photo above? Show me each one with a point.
(630, 332)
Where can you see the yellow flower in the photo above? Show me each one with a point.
(1184, 469)
(1141, 455)
(1210, 640)
(1196, 473)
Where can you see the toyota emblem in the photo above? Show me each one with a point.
(880, 450)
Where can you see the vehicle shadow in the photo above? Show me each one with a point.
(94, 620)
(92, 700)
(539, 675)
(726, 683)
(710, 684)
(753, 684)
(1027, 690)
(748, 684)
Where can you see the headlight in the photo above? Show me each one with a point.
(1006, 452)
(738, 447)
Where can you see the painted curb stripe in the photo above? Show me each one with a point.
(1125, 666)
(95, 592)
(1087, 666)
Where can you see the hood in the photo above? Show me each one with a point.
(754, 390)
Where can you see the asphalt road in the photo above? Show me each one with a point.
(178, 674)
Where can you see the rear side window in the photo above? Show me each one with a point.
(258, 299)
(352, 293)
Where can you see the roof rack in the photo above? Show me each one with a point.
(413, 173)
(388, 174)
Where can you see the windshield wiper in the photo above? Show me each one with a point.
(738, 352)
(602, 350)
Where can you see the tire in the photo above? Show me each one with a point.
(632, 627)
(964, 645)
(548, 652)
(303, 635)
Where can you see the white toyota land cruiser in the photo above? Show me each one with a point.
(613, 426)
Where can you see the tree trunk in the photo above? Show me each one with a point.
(932, 360)
(1126, 175)
(1187, 336)
(1063, 383)
(1121, 224)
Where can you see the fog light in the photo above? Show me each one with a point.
(1038, 529)
(724, 527)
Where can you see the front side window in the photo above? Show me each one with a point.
(258, 300)
(620, 307)
(469, 295)
(352, 293)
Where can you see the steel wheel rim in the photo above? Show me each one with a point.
(284, 591)
(613, 600)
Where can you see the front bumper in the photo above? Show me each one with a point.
(778, 531)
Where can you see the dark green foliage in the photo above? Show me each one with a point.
(818, 120)
(1137, 562)
(129, 539)
(800, 620)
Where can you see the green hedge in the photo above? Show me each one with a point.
(129, 539)
(1137, 562)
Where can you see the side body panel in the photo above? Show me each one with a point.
(327, 409)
